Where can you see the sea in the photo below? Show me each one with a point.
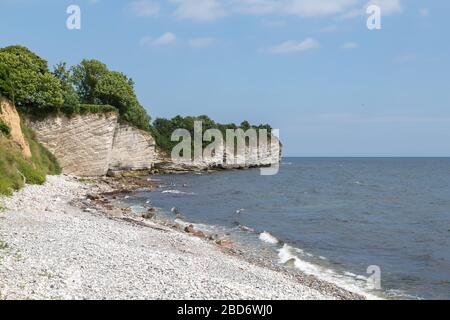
(377, 226)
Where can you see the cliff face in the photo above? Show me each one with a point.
(265, 154)
(132, 149)
(9, 115)
(93, 144)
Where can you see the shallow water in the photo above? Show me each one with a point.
(337, 217)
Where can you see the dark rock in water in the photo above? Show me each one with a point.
(150, 214)
(213, 237)
(178, 214)
(189, 229)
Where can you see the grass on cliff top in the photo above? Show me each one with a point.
(37, 114)
(16, 170)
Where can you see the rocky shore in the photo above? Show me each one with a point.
(67, 240)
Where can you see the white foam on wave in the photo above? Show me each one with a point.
(400, 293)
(351, 282)
(178, 192)
(245, 228)
(182, 223)
(198, 226)
(267, 237)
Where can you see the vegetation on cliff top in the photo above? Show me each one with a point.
(87, 87)
(16, 170)
(162, 129)
(26, 79)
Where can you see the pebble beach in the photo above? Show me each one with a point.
(53, 245)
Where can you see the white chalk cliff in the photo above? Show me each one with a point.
(92, 144)
(95, 144)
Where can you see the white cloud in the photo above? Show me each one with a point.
(293, 46)
(305, 8)
(387, 6)
(165, 39)
(201, 42)
(199, 10)
(353, 13)
(209, 10)
(350, 45)
(144, 8)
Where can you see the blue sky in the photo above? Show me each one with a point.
(309, 67)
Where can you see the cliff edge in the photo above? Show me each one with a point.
(94, 144)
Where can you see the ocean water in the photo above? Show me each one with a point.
(332, 217)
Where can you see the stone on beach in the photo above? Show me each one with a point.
(67, 253)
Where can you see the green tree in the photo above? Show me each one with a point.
(245, 125)
(6, 88)
(115, 89)
(70, 96)
(34, 86)
(85, 77)
(96, 84)
(162, 129)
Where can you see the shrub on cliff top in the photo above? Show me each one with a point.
(71, 100)
(96, 84)
(25, 78)
(6, 88)
(162, 129)
(32, 84)
(96, 108)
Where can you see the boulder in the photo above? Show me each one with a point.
(227, 244)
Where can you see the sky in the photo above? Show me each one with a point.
(310, 68)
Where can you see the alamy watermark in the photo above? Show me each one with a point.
(239, 148)
(374, 19)
(73, 21)
(374, 280)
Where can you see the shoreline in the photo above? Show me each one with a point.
(67, 240)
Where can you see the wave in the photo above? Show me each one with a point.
(267, 237)
(245, 228)
(287, 255)
(178, 192)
